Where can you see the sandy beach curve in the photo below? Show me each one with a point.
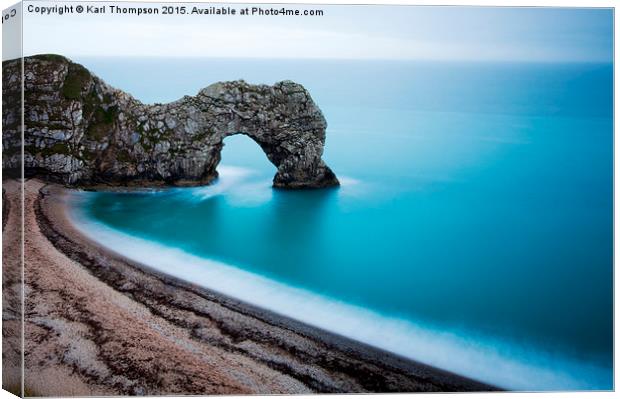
(97, 323)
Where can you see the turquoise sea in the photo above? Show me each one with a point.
(473, 230)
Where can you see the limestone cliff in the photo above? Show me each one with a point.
(79, 130)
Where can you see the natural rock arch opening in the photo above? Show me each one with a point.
(298, 162)
(240, 150)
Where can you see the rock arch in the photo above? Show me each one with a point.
(79, 130)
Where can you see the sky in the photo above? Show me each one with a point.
(358, 32)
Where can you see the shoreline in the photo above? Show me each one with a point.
(295, 357)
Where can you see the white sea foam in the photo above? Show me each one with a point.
(229, 176)
(490, 360)
(243, 188)
(346, 181)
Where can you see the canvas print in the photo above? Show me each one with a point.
(203, 198)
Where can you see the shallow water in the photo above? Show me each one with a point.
(473, 225)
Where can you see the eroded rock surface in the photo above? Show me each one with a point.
(80, 130)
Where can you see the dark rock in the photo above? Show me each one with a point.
(81, 131)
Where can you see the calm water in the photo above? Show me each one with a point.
(476, 208)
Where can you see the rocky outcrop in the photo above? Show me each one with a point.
(81, 131)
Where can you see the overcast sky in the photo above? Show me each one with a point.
(370, 32)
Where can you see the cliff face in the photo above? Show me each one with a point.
(79, 130)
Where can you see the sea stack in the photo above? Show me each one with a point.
(81, 131)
